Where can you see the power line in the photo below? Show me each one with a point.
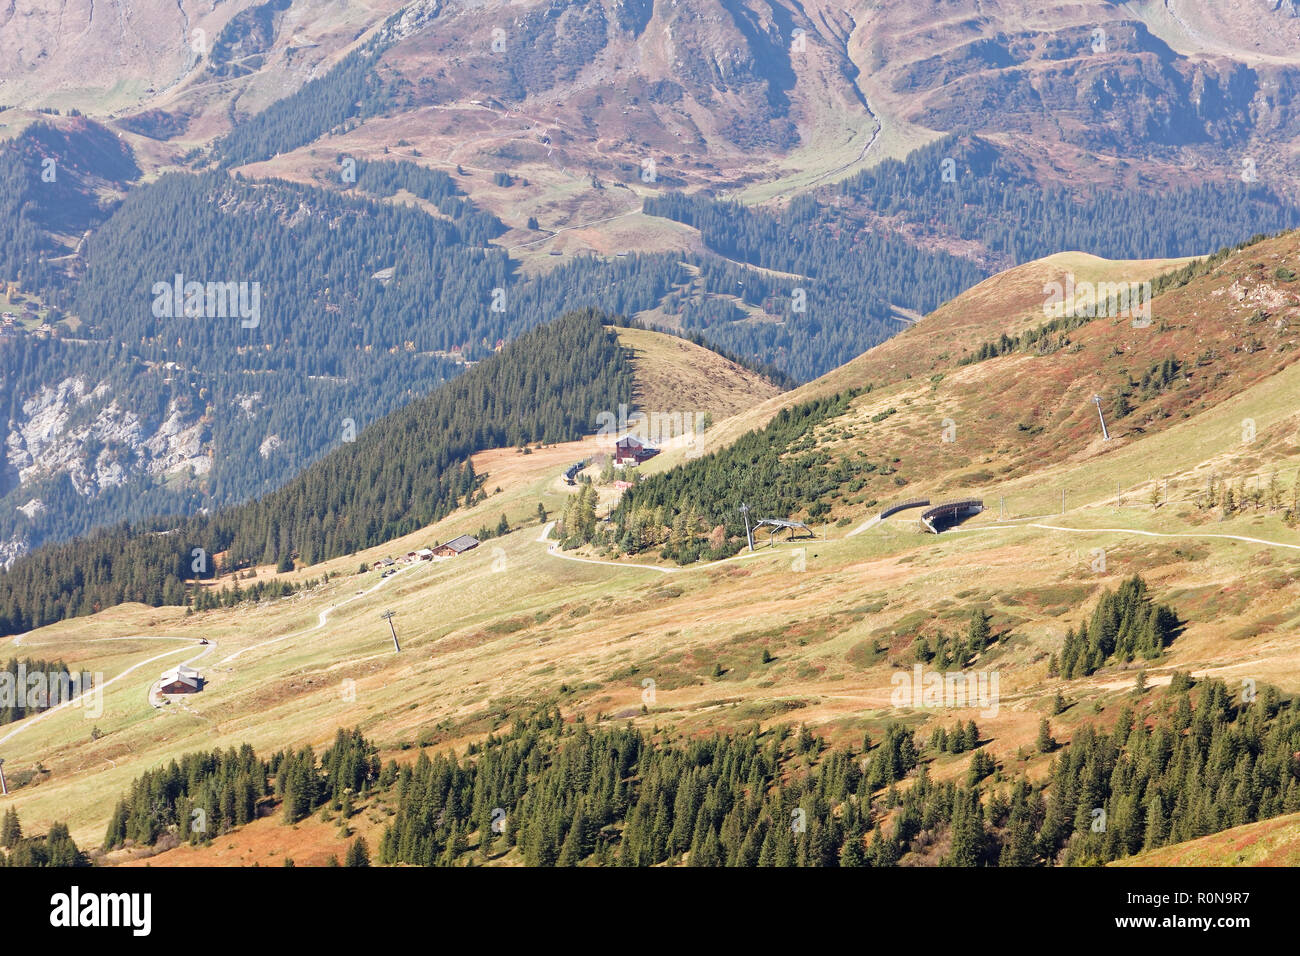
(388, 616)
(749, 535)
(1105, 433)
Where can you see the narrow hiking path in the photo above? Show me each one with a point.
(321, 621)
(865, 526)
(323, 617)
(32, 721)
(1145, 534)
(553, 549)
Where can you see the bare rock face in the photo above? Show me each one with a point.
(176, 446)
(85, 434)
(269, 446)
(33, 508)
(12, 550)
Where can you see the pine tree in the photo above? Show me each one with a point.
(10, 830)
(1045, 742)
(358, 853)
(1157, 829)
(571, 851)
(978, 632)
(852, 854)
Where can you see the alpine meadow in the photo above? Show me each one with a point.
(558, 434)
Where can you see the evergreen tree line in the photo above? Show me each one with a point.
(568, 795)
(1125, 624)
(403, 473)
(385, 178)
(207, 794)
(848, 271)
(349, 91)
(776, 470)
(56, 848)
(986, 198)
(205, 599)
(835, 306)
(1053, 335)
(772, 373)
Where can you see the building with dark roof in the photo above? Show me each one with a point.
(456, 546)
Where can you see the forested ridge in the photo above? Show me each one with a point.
(852, 249)
(834, 306)
(321, 105)
(49, 179)
(550, 792)
(985, 197)
(406, 471)
(337, 339)
(367, 304)
(1054, 334)
(777, 470)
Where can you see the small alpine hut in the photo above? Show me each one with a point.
(181, 680)
(456, 546)
(631, 451)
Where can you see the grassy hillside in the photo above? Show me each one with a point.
(1273, 842)
(673, 374)
(812, 632)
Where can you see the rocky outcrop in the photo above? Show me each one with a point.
(84, 433)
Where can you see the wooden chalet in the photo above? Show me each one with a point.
(181, 680)
(630, 451)
(456, 546)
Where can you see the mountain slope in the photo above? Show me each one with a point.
(405, 471)
(1273, 842)
(519, 623)
(487, 158)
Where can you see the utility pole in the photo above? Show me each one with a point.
(1166, 491)
(749, 535)
(1062, 501)
(1002, 508)
(4, 787)
(1105, 433)
(388, 616)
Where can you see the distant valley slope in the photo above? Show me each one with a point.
(1134, 597)
(791, 183)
